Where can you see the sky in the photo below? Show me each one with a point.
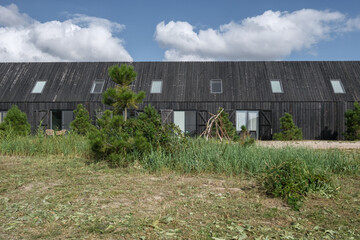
(170, 30)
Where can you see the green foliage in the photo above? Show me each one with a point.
(123, 75)
(352, 123)
(289, 130)
(120, 142)
(122, 97)
(81, 124)
(245, 139)
(292, 180)
(15, 123)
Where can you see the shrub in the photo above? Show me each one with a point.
(292, 180)
(246, 139)
(15, 123)
(120, 142)
(81, 124)
(352, 123)
(289, 130)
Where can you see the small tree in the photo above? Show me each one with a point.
(352, 122)
(81, 124)
(289, 130)
(122, 97)
(15, 122)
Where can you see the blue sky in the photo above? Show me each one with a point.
(134, 30)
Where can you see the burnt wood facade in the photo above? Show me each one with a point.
(307, 91)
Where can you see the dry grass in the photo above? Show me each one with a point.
(58, 198)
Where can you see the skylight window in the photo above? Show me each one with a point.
(216, 86)
(337, 86)
(156, 86)
(39, 87)
(97, 86)
(276, 86)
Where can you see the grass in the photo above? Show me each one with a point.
(57, 197)
(50, 188)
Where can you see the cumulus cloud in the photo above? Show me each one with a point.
(80, 38)
(270, 36)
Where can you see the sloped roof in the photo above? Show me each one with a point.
(184, 81)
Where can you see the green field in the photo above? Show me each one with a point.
(58, 196)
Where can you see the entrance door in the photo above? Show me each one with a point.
(61, 119)
(265, 128)
(186, 121)
(249, 119)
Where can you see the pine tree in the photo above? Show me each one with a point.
(352, 122)
(289, 130)
(122, 97)
(15, 122)
(81, 124)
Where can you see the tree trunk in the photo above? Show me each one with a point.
(125, 114)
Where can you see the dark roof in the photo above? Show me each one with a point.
(185, 81)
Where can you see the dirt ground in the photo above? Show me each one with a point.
(311, 144)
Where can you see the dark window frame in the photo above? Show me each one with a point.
(42, 89)
(161, 86)
(281, 85)
(211, 86)
(341, 85)
(95, 82)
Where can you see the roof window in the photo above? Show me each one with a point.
(39, 87)
(156, 86)
(337, 86)
(216, 86)
(276, 86)
(97, 86)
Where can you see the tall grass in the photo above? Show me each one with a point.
(200, 156)
(195, 156)
(39, 144)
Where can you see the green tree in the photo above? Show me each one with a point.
(289, 130)
(122, 97)
(15, 122)
(352, 123)
(81, 124)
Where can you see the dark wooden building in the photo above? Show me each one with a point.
(255, 94)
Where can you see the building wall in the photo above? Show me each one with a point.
(318, 120)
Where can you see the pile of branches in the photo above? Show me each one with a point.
(215, 127)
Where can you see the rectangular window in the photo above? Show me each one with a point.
(249, 119)
(337, 86)
(2, 116)
(276, 86)
(97, 86)
(39, 87)
(216, 86)
(156, 86)
(186, 121)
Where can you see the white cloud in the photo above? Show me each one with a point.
(270, 36)
(81, 38)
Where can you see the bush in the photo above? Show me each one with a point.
(289, 130)
(15, 123)
(81, 124)
(120, 142)
(352, 123)
(292, 180)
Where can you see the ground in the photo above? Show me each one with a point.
(55, 197)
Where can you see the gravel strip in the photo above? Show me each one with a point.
(311, 144)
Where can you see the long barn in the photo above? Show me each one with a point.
(255, 94)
